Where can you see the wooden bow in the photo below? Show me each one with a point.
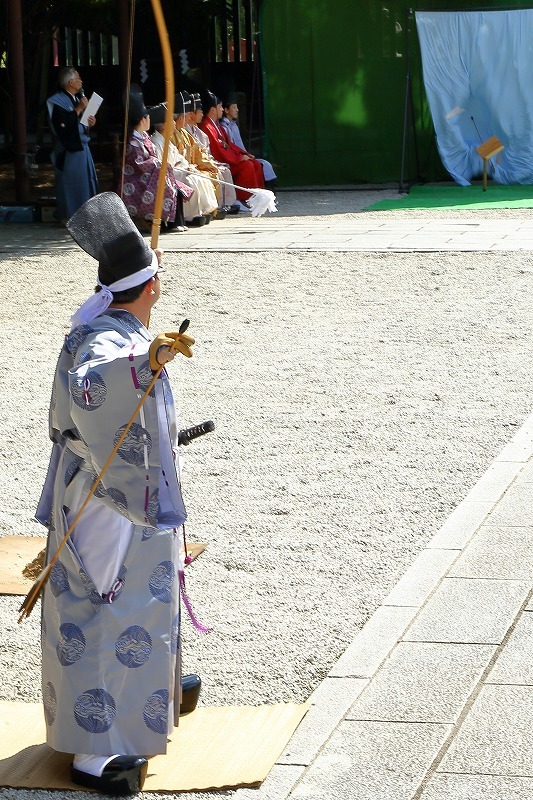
(169, 117)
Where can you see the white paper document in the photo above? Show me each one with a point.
(95, 101)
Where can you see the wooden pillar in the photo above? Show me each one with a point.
(18, 99)
(124, 33)
(236, 14)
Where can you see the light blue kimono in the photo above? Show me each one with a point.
(111, 667)
(75, 174)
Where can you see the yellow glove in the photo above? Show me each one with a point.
(182, 342)
(175, 342)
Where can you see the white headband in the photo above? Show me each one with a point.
(100, 301)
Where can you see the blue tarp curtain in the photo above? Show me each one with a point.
(480, 64)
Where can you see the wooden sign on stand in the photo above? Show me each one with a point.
(488, 150)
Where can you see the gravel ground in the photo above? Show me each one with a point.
(357, 398)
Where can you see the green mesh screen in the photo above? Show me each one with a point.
(334, 78)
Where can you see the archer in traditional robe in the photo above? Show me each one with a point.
(111, 609)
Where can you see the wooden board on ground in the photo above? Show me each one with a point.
(16, 552)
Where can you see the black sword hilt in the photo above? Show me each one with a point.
(187, 435)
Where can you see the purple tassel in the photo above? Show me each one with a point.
(198, 625)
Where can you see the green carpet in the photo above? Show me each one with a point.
(432, 196)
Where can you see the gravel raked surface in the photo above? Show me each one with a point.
(357, 398)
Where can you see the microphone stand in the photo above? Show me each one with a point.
(481, 142)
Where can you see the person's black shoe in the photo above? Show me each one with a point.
(218, 214)
(196, 222)
(190, 692)
(123, 775)
(234, 209)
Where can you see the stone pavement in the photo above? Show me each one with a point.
(362, 234)
(433, 700)
(317, 221)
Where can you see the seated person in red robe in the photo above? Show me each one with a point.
(245, 170)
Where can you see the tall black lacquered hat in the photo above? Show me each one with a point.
(182, 103)
(158, 113)
(230, 100)
(196, 101)
(104, 229)
(209, 100)
(136, 107)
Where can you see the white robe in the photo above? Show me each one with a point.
(203, 200)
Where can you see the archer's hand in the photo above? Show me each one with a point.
(166, 345)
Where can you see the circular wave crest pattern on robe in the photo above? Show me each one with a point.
(71, 645)
(59, 579)
(119, 499)
(132, 448)
(144, 376)
(89, 391)
(155, 712)
(133, 647)
(74, 339)
(95, 710)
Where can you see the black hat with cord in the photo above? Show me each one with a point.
(158, 114)
(104, 229)
(182, 103)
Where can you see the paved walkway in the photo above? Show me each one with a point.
(433, 700)
(362, 234)
(308, 222)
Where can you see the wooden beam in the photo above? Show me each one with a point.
(16, 77)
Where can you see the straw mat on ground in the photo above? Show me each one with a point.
(213, 748)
